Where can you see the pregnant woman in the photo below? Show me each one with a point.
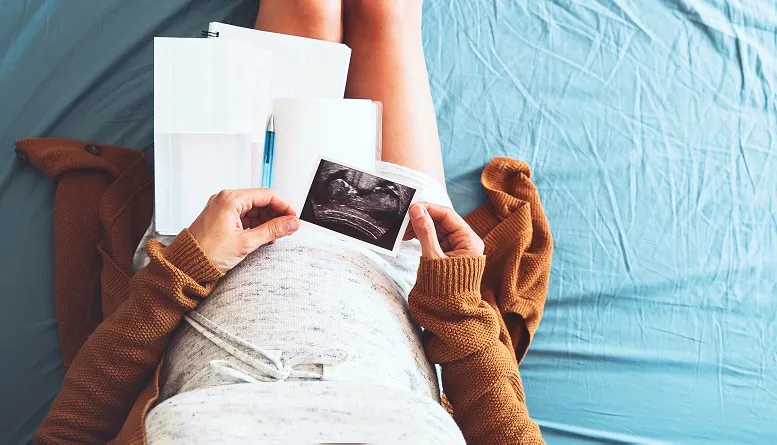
(309, 339)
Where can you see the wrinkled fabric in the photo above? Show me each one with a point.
(650, 130)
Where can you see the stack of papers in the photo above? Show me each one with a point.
(212, 99)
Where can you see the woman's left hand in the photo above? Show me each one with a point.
(442, 232)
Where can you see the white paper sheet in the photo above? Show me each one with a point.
(200, 165)
(343, 130)
(203, 118)
(205, 85)
(296, 67)
(301, 67)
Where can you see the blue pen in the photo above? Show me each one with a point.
(269, 148)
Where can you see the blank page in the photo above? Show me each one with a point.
(343, 130)
(302, 67)
(299, 67)
(198, 166)
(203, 116)
(204, 85)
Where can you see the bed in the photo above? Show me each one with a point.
(651, 130)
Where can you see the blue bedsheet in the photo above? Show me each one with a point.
(650, 126)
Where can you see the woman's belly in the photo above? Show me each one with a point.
(300, 412)
(304, 295)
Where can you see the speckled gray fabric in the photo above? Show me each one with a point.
(307, 294)
(301, 413)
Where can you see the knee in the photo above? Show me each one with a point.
(320, 13)
(318, 19)
(383, 13)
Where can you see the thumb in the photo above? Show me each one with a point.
(423, 226)
(272, 230)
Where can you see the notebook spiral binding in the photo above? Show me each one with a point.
(208, 34)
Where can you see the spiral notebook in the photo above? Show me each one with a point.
(212, 98)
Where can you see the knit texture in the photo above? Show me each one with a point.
(462, 333)
(102, 207)
(100, 388)
(478, 327)
(519, 247)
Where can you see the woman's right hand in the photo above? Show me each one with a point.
(442, 232)
(237, 222)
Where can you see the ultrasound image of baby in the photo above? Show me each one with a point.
(357, 204)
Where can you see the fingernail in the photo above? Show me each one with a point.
(292, 224)
(417, 211)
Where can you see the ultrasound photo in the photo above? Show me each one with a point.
(358, 204)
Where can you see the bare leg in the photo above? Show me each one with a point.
(388, 65)
(316, 19)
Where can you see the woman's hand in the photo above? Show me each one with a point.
(442, 232)
(237, 222)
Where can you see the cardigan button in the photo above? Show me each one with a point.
(20, 155)
(93, 149)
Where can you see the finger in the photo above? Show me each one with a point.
(247, 199)
(270, 231)
(265, 215)
(447, 218)
(442, 236)
(445, 243)
(249, 223)
(409, 233)
(423, 226)
(253, 213)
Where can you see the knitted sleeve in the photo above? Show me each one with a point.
(118, 359)
(479, 372)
